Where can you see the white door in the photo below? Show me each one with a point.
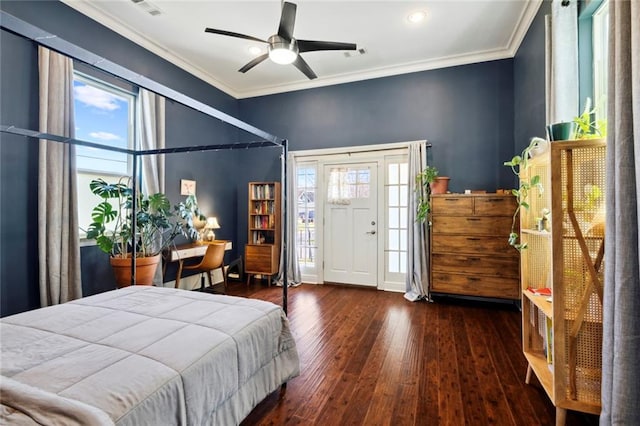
(351, 224)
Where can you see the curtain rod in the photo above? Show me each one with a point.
(51, 41)
(315, 153)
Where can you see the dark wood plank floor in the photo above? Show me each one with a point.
(372, 358)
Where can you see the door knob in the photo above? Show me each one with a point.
(371, 232)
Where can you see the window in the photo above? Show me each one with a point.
(305, 223)
(347, 183)
(600, 33)
(397, 192)
(104, 114)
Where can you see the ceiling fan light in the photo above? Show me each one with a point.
(282, 56)
(281, 51)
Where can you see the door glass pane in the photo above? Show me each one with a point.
(397, 196)
(305, 221)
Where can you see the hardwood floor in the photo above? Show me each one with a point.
(372, 358)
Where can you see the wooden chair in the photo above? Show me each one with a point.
(212, 259)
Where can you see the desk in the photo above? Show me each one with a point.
(188, 251)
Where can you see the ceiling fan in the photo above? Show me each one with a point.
(283, 47)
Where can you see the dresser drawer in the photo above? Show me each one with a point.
(471, 285)
(504, 267)
(472, 225)
(452, 205)
(442, 243)
(495, 205)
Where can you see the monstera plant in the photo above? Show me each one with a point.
(157, 225)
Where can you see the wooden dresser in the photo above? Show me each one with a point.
(470, 252)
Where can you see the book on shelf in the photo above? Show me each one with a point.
(548, 330)
(545, 291)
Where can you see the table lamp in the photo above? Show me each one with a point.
(212, 223)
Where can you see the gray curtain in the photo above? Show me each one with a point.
(417, 284)
(58, 239)
(151, 135)
(294, 277)
(621, 307)
(562, 62)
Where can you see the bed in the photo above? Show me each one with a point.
(143, 355)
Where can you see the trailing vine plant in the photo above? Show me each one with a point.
(519, 164)
(424, 180)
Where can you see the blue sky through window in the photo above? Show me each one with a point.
(101, 116)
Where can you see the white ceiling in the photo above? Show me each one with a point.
(455, 32)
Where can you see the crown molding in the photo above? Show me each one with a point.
(524, 22)
(86, 8)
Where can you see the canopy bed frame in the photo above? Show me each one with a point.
(17, 26)
(198, 338)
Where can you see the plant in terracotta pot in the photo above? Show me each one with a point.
(157, 226)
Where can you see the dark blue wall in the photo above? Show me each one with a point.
(18, 177)
(529, 84)
(19, 79)
(466, 112)
(474, 115)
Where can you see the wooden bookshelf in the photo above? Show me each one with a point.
(262, 252)
(562, 338)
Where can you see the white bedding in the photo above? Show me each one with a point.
(144, 356)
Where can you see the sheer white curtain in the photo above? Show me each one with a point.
(294, 277)
(621, 312)
(58, 239)
(151, 134)
(417, 284)
(338, 189)
(562, 62)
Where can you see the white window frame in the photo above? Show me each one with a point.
(87, 200)
(600, 29)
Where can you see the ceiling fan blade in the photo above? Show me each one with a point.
(232, 34)
(302, 65)
(287, 21)
(314, 45)
(253, 63)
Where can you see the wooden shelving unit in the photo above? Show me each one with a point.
(262, 252)
(562, 338)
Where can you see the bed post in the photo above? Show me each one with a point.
(134, 206)
(285, 266)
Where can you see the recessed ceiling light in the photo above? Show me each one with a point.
(417, 16)
(254, 50)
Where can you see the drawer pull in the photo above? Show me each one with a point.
(495, 200)
(473, 279)
(473, 259)
(452, 199)
(473, 239)
(473, 219)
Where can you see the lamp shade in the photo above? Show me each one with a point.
(212, 223)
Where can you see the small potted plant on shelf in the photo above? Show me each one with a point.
(157, 225)
(518, 164)
(586, 127)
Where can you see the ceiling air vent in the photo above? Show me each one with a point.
(355, 53)
(148, 7)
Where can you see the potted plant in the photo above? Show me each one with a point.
(586, 127)
(157, 225)
(519, 164)
(424, 180)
